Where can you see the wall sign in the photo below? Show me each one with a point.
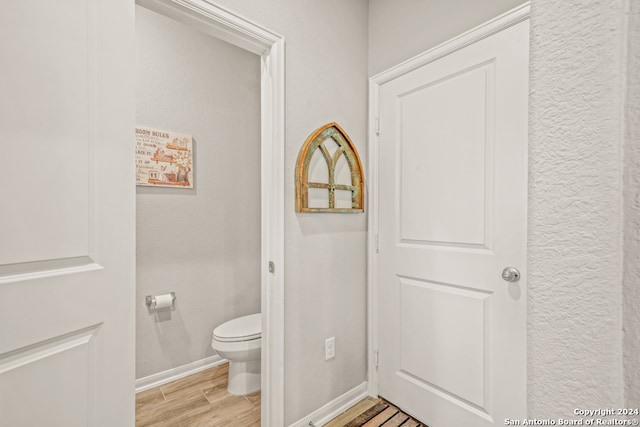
(163, 158)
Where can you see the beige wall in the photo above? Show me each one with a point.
(203, 243)
(575, 206)
(632, 216)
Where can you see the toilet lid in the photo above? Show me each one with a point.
(241, 329)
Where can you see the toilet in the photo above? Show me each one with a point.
(239, 341)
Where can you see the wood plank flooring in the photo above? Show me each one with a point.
(371, 412)
(199, 400)
(202, 400)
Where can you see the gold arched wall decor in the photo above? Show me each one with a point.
(318, 143)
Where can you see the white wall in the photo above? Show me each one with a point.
(575, 189)
(401, 29)
(632, 216)
(575, 206)
(203, 243)
(325, 254)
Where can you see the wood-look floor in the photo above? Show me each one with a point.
(199, 400)
(372, 412)
(202, 400)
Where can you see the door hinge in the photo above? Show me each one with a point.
(272, 267)
(376, 358)
(377, 243)
(377, 126)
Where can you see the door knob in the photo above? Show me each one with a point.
(511, 274)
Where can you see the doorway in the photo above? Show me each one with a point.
(448, 311)
(228, 27)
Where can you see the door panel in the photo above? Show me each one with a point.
(447, 325)
(45, 115)
(452, 215)
(454, 112)
(55, 377)
(67, 226)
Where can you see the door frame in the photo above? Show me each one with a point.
(493, 26)
(223, 24)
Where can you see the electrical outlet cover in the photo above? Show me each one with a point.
(330, 348)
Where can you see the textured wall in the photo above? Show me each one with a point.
(575, 338)
(325, 254)
(401, 29)
(632, 216)
(203, 243)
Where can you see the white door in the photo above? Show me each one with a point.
(452, 216)
(67, 223)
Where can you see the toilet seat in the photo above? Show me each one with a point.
(246, 328)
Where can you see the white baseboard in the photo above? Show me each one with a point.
(164, 377)
(334, 408)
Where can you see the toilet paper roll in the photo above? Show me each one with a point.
(163, 301)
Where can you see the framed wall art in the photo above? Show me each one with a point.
(329, 174)
(163, 158)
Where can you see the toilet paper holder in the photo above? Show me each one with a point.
(151, 300)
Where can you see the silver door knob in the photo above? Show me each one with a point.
(511, 274)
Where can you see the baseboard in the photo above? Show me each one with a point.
(164, 377)
(334, 408)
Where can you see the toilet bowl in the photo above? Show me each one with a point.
(239, 341)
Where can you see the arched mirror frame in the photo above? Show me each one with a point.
(345, 148)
